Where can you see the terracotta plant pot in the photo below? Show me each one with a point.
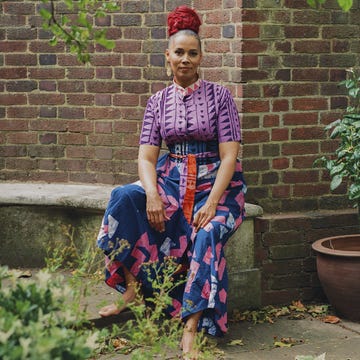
(338, 267)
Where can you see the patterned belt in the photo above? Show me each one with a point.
(189, 182)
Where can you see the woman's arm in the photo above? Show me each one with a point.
(228, 154)
(147, 159)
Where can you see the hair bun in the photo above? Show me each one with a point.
(183, 18)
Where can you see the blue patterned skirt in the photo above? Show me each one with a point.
(125, 226)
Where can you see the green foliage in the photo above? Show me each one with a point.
(151, 332)
(344, 4)
(345, 165)
(75, 26)
(36, 322)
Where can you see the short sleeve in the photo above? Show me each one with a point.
(228, 118)
(150, 132)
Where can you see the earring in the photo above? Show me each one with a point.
(168, 70)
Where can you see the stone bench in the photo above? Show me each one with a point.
(35, 216)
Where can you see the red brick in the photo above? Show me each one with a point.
(271, 120)
(126, 126)
(82, 152)
(103, 127)
(22, 112)
(71, 86)
(279, 105)
(308, 104)
(72, 139)
(307, 133)
(250, 31)
(80, 73)
(22, 138)
(254, 47)
(305, 89)
(49, 99)
(80, 99)
(295, 177)
(103, 87)
(45, 73)
(281, 163)
(310, 74)
(300, 119)
(13, 125)
(13, 46)
(104, 73)
(280, 135)
(13, 73)
(300, 148)
(13, 99)
(255, 106)
(312, 46)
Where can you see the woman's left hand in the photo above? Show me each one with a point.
(204, 215)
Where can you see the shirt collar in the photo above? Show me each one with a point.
(188, 90)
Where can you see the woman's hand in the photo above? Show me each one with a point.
(204, 215)
(228, 153)
(155, 212)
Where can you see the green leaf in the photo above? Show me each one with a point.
(45, 14)
(337, 169)
(312, 3)
(345, 4)
(335, 182)
(108, 44)
(354, 191)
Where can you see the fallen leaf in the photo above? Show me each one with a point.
(288, 340)
(331, 319)
(310, 357)
(25, 274)
(236, 342)
(297, 306)
(119, 343)
(281, 344)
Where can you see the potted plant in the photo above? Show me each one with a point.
(338, 257)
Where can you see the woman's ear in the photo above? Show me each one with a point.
(167, 54)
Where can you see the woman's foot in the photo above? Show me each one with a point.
(116, 308)
(187, 344)
(110, 310)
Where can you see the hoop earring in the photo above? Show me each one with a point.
(168, 70)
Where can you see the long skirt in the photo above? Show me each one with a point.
(127, 238)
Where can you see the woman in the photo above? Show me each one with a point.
(190, 200)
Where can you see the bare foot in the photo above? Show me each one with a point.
(116, 308)
(187, 345)
(110, 310)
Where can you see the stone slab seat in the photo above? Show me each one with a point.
(36, 216)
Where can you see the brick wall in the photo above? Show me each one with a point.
(293, 60)
(61, 121)
(284, 254)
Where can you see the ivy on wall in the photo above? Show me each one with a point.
(344, 4)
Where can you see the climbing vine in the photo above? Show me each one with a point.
(344, 4)
(74, 23)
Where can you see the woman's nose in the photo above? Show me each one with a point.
(185, 58)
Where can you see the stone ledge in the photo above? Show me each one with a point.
(82, 196)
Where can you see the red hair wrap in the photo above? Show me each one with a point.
(183, 18)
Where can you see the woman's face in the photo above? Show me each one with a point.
(184, 56)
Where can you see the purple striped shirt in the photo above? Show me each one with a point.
(209, 113)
